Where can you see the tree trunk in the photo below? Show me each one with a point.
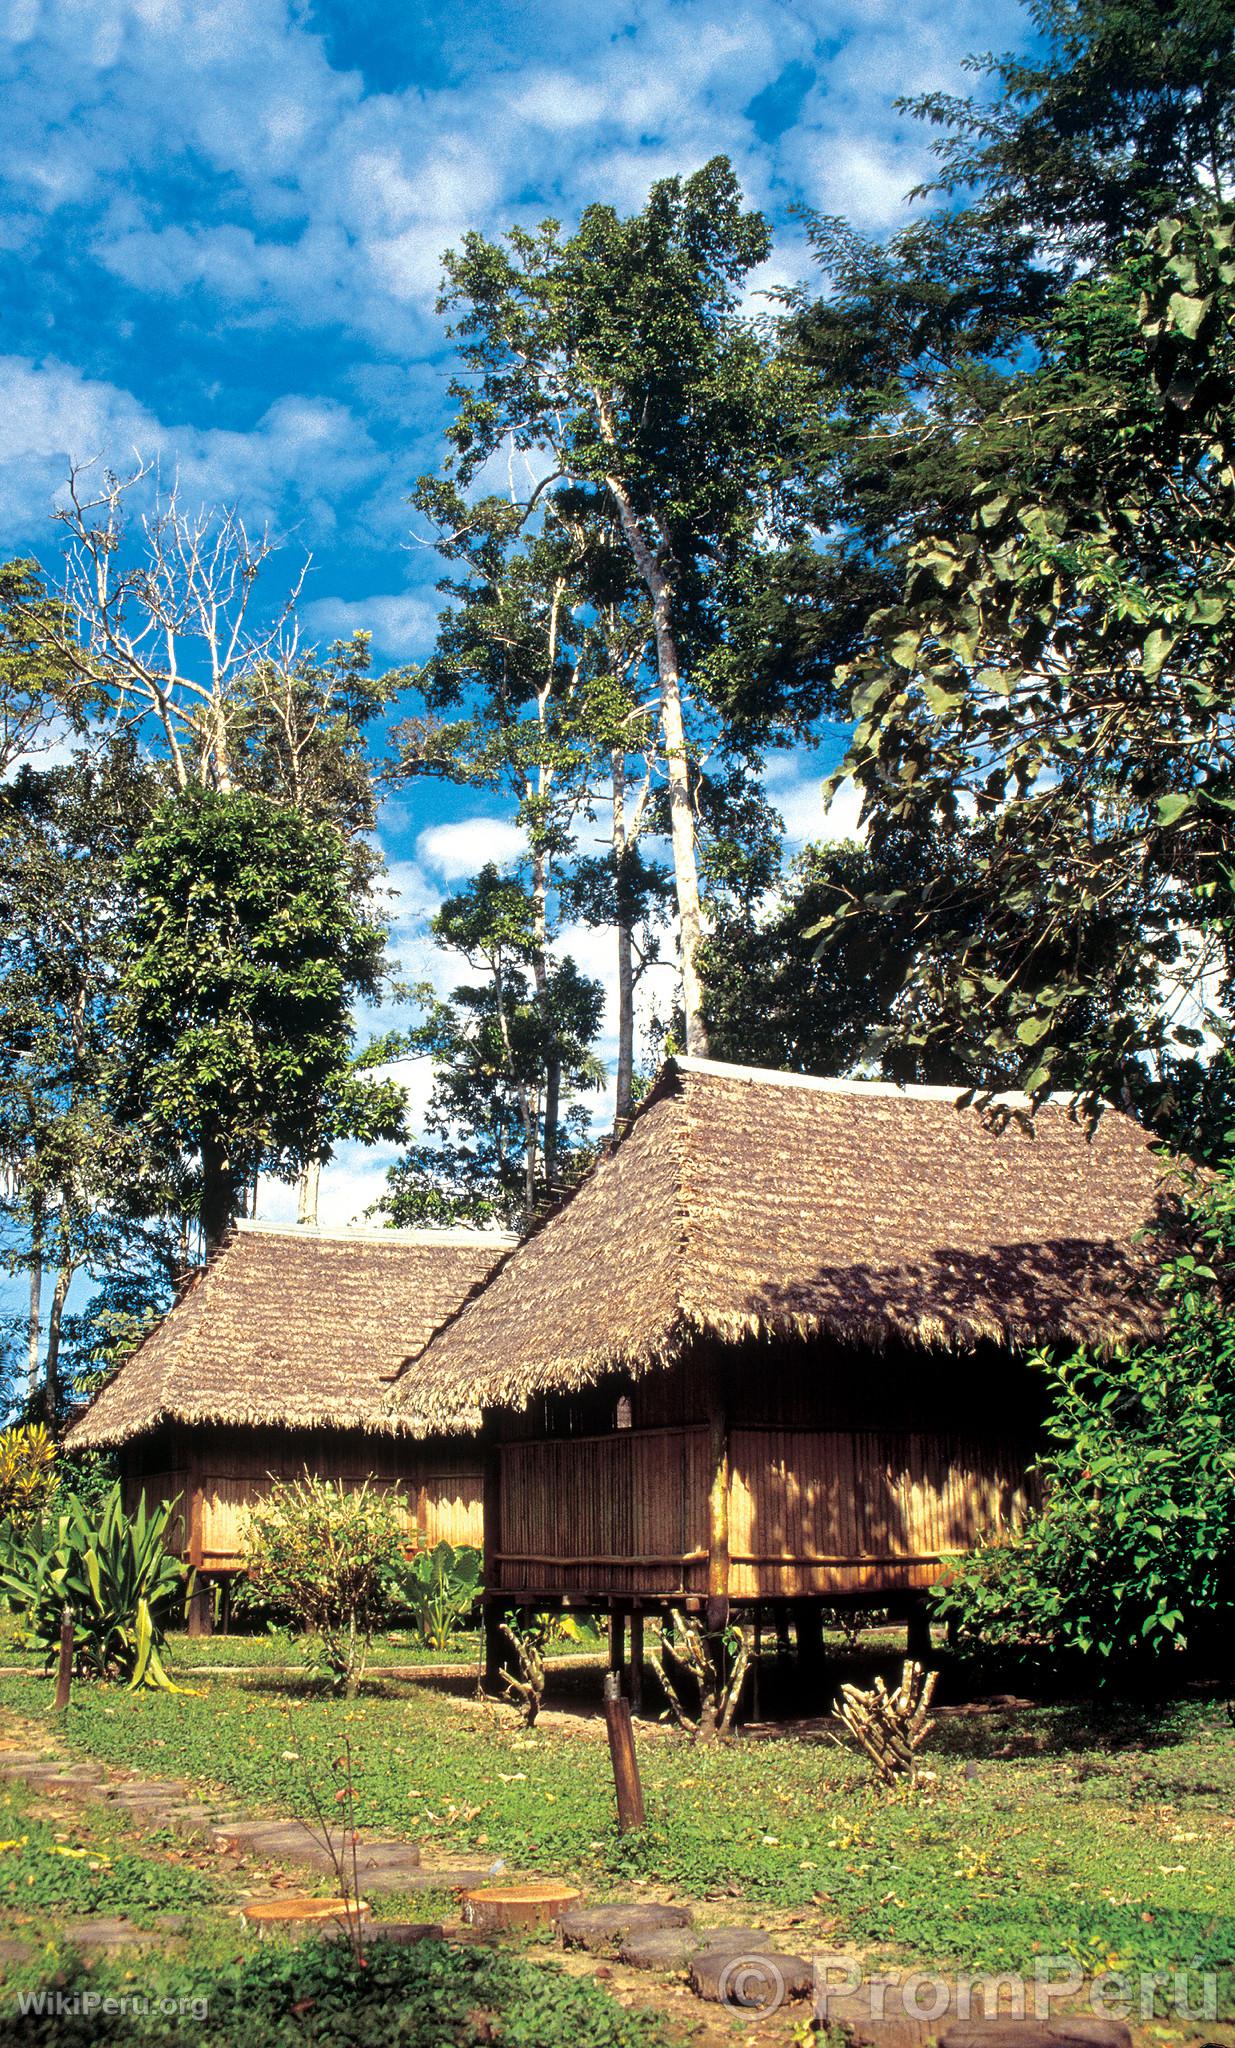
(307, 1191)
(218, 1196)
(540, 975)
(51, 1370)
(659, 587)
(624, 914)
(34, 1319)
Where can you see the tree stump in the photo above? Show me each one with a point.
(492, 1908)
(293, 1912)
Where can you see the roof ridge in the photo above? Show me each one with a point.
(312, 1233)
(840, 1084)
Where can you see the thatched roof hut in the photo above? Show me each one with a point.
(745, 1203)
(279, 1357)
(774, 1346)
(293, 1328)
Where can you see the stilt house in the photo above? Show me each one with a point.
(279, 1358)
(774, 1347)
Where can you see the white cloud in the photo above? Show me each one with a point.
(453, 851)
(401, 624)
(300, 457)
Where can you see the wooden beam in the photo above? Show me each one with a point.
(718, 1518)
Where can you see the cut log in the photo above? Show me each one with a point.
(492, 1908)
(299, 1912)
(759, 1982)
(599, 1928)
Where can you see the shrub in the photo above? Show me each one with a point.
(116, 1574)
(439, 1589)
(1133, 1550)
(327, 1555)
(29, 1476)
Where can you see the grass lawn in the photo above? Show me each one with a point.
(1104, 1836)
(279, 1649)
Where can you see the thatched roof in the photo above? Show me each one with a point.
(293, 1327)
(742, 1202)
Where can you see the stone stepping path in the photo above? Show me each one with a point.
(737, 1965)
(733, 1965)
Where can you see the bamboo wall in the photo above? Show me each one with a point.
(221, 1472)
(843, 1474)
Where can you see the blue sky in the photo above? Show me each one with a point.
(220, 234)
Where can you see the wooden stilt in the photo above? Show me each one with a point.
(617, 1638)
(494, 1615)
(918, 1633)
(636, 1660)
(718, 1520)
(201, 1606)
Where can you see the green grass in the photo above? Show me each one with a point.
(1104, 1835)
(84, 1863)
(431, 1996)
(278, 1650)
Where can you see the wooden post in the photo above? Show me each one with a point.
(918, 1633)
(201, 1606)
(629, 1790)
(64, 1668)
(617, 1640)
(636, 1660)
(225, 1602)
(494, 1607)
(495, 1643)
(718, 1520)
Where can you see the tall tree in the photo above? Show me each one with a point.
(618, 358)
(41, 690)
(1123, 113)
(84, 1185)
(1060, 670)
(490, 1041)
(245, 950)
(541, 659)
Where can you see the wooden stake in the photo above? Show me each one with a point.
(64, 1669)
(626, 1779)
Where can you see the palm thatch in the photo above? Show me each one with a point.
(746, 1203)
(293, 1327)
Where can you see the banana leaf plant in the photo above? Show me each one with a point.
(116, 1574)
(438, 1588)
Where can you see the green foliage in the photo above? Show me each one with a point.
(511, 1051)
(92, 1871)
(245, 949)
(39, 685)
(29, 1476)
(114, 1572)
(327, 1555)
(317, 1993)
(1133, 1552)
(1058, 669)
(439, 1589)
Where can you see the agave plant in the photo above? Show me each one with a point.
(112, 1569)
(439, 1589)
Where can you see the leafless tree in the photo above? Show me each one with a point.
(162, 609)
